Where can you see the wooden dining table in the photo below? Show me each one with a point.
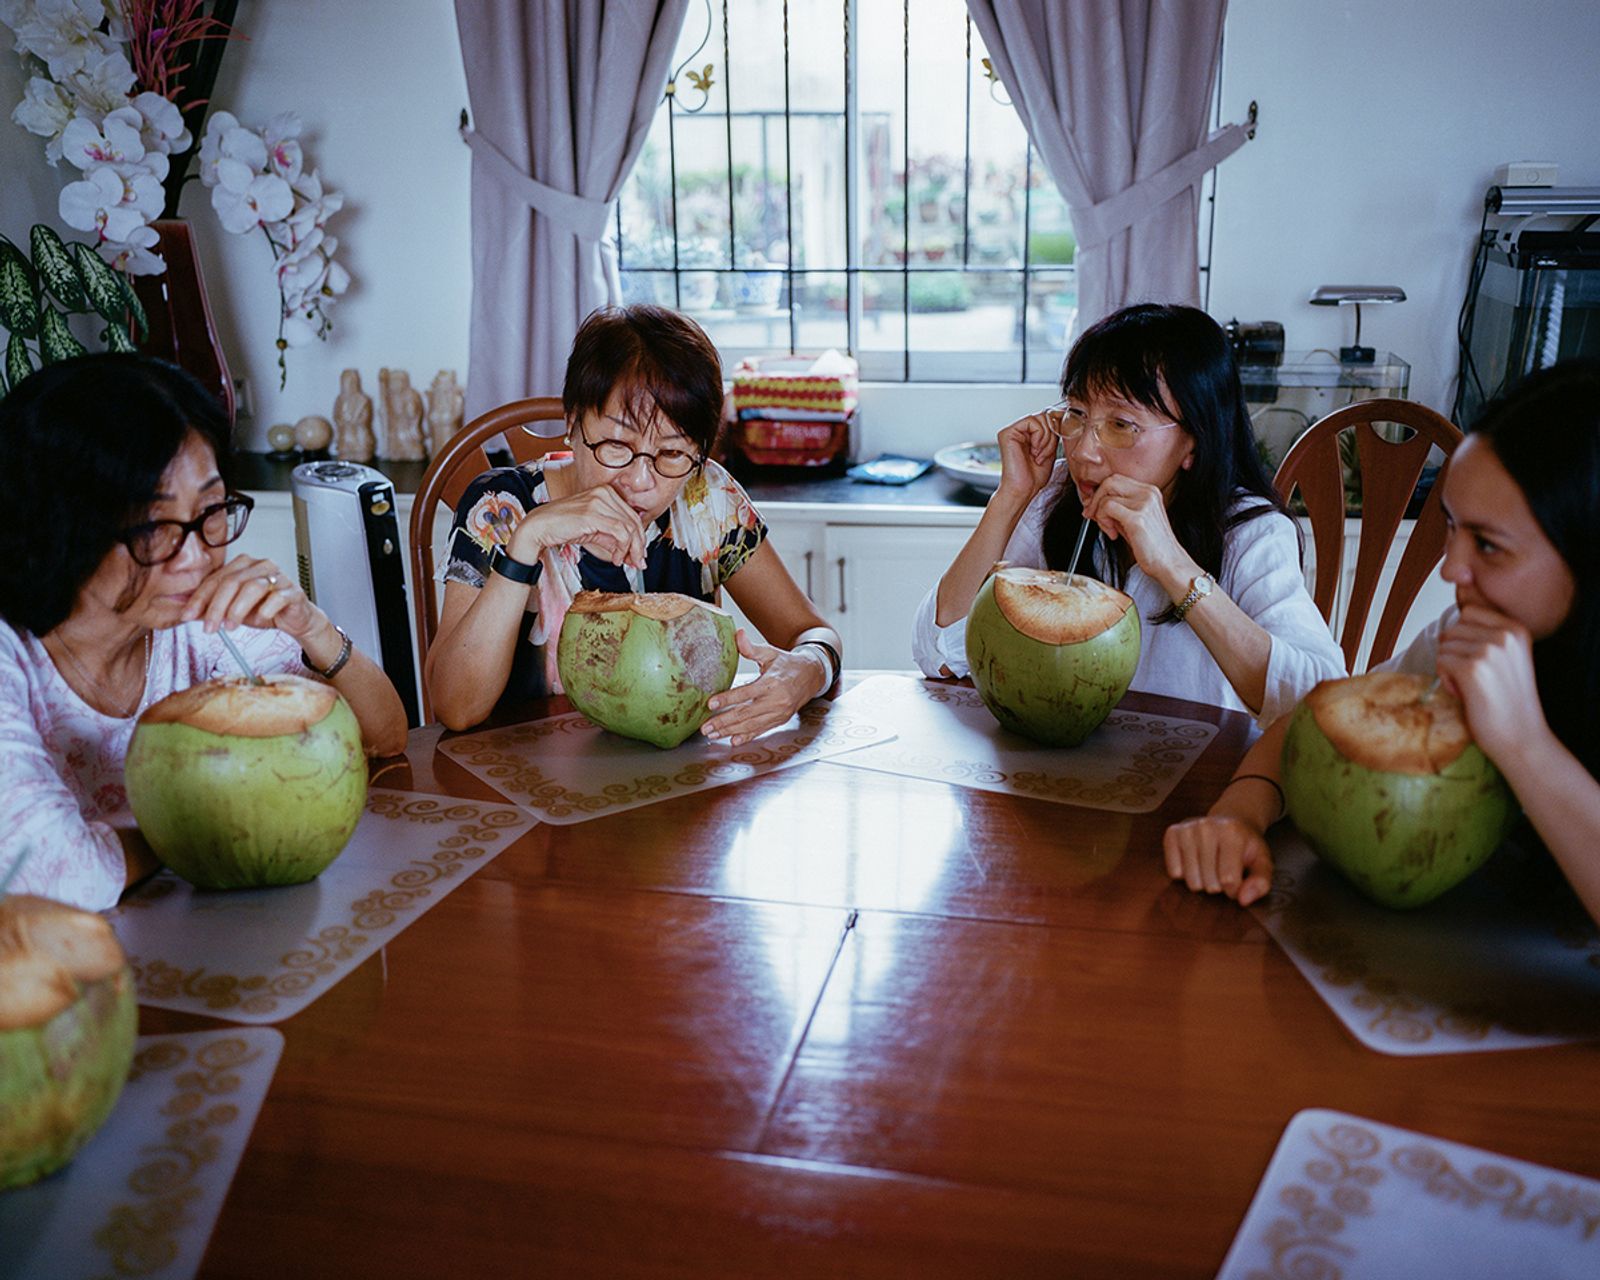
(827, 1022)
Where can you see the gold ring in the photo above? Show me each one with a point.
(271, 582)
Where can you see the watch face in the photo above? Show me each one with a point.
(1202, 585)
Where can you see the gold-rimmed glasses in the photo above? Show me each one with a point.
(1113, 431)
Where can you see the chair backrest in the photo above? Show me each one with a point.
(455, 467)
(1389, 472)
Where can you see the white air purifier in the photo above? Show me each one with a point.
(347, 542)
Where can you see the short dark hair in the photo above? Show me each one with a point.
(1546, 434)
(1130, 354)
(83, 446)
(665, 359)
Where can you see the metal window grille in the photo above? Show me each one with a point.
(885, 308)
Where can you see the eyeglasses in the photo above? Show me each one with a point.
(157, 541)
(1116, 432)
(674, 464)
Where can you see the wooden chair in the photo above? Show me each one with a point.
(1389, 472)
(455, 467)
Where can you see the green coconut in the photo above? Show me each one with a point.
(1051, 653)
(67, 1027)
(1390, 789)
(240, 786)
(645, 665)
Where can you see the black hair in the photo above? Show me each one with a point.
(83, 446)
(1546, 434)
(665, 359)
(1130, 354)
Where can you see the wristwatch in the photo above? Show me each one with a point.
(1199, 587)
(516, 570)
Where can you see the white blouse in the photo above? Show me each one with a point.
(1261, 574)
(61, 760)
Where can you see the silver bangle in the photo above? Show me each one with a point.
(337, 665)
(830, 659)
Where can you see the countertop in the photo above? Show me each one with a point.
(786, 488)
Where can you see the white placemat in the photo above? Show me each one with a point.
(260, 955)
(1346, 1198)
(142, 1196)
(1479, 968)
(568, 770)
(944, 733)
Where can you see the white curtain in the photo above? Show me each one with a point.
(563, 93)
(1116, 97)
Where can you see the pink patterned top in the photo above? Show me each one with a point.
(61, 791)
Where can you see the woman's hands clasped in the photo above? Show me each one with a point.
(788, 681)
(599, 519)
(250, 592)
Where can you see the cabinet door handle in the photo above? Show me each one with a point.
(843, 608)
(810, 593)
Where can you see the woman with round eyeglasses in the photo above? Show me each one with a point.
(114, 590)
(639, 506)
(1158, 455)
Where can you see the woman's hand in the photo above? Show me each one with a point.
(597, 518)
(788, 681)
(1486, 660)
(250, 592)
(1127, 508)
(1219, 854)
(1027, 457)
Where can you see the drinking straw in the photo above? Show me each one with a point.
(240, 659)
(11, 872)
(1072, 564)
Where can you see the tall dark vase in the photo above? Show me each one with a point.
(181, 326)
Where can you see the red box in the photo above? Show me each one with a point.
(789, 444)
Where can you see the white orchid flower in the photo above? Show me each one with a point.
(136, 256)
(266, 198)
(163, 130)
(338, 279)
(114, 205)
(283, 153)
(218, 127)
(115, 141)
(102, 84)
(63, 34)
(45, 110)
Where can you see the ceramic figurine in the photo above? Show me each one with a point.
(446, 408)
(352, 411)
(401, 408)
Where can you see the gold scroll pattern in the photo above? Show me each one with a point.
(1382, 1002)
(1164, 748)
(320, 956)
(1339, 1184)
(140, 1234)
(505, 758)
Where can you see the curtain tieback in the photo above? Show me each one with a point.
(1096, 225)
(586, 219)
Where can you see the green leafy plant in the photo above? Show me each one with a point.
(57, 279)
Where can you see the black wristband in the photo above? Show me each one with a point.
(1283, 802)
(516, 570)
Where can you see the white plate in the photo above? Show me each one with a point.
(975, 464)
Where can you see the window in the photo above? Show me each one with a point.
(849, 173)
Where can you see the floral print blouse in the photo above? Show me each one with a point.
(705, 537)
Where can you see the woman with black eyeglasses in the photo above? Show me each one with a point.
(114, 512)
(639, 506)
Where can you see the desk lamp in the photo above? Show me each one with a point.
(1341, 295)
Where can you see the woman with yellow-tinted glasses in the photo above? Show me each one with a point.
(1160, 458)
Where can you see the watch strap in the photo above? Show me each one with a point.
(338, 664)
(516, 570)
(1196, 594)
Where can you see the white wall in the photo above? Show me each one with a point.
(1381, 125)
